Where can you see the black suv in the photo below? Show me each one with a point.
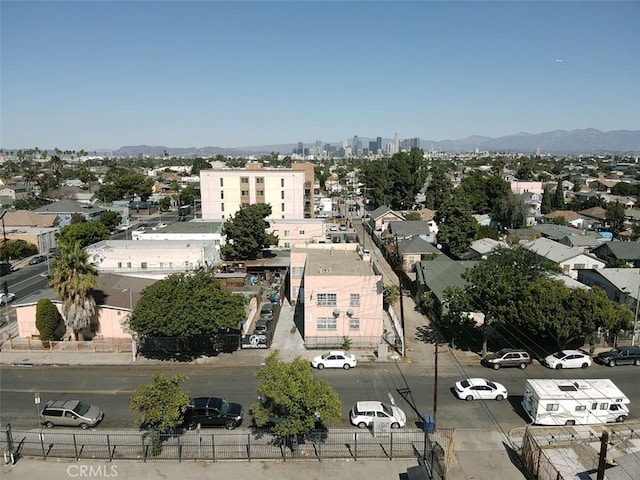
(620, 356)
(507, 357)
(213, 412)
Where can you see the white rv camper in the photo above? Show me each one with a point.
(574, 402)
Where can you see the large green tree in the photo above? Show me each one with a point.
(395, 181)
(439, 190)
(456, 226)
(291, 395)
(184, 305)
(74, 279)
(246, 233)
(483, 191)
(161, 405)
(84, 233)
(497, 285)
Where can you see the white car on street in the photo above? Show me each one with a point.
(6, 298)
(568, 359)
(363, 414)
(480, 389)
(335, 359)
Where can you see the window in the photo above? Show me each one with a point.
(286, 233)
(282, 195)
(222, 182)
(222, 207)
(128, 264)
(260, 193)
(143, 265)
(282, 182)
(301, 232)
(354, 324)
(326, 323)
(581, 408)
(244, 193)
(552, 407)
(579, 266)
(119, 264)
(260, 180)
(221, 194)
(296, 272)
(244, 205)
(604, 406)
(244, 180)
(282, 208)
(327, 299)
(354, 300)
(594, 406)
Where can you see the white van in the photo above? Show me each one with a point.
(363, 414)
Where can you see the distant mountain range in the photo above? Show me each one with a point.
(555, 142)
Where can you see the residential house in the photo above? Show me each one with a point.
(602, 184)
(597, 215)
(406, 229)
(437, 275)
(115, 297)
(569, 259)
(622, 285)
(584, 240)
(554, 232)
(569, 216)
(378, 220)
(414, 249)
(483, 247)
(12, 192)
(65, 209)
(340, 294)
(615, 252)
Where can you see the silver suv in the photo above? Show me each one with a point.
(507, 357)
(70, 413)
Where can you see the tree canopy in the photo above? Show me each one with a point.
(292, 398)
(514, 287)
(184, 305)
(457, 227)
(395, 181)
(85, 233)
(247, 234)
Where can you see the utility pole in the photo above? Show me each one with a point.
(435, 386)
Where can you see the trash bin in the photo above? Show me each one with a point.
(428, 423)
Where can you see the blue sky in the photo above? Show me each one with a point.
(92, 75)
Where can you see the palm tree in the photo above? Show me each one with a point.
(74, 279)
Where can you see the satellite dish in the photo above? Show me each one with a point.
(98, 258)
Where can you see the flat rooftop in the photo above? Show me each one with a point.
(334, 261)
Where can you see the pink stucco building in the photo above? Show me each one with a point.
(339, 293)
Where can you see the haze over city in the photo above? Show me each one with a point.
(100, 75)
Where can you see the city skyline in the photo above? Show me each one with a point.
(101, 75)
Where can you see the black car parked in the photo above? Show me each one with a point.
(213, 412)
(620, 356)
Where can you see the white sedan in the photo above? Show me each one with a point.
(336, 359)
(568, 359)
(6, 298)
(480, 389)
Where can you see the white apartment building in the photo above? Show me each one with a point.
(225, 191)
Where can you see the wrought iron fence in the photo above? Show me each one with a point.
(222, 445)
